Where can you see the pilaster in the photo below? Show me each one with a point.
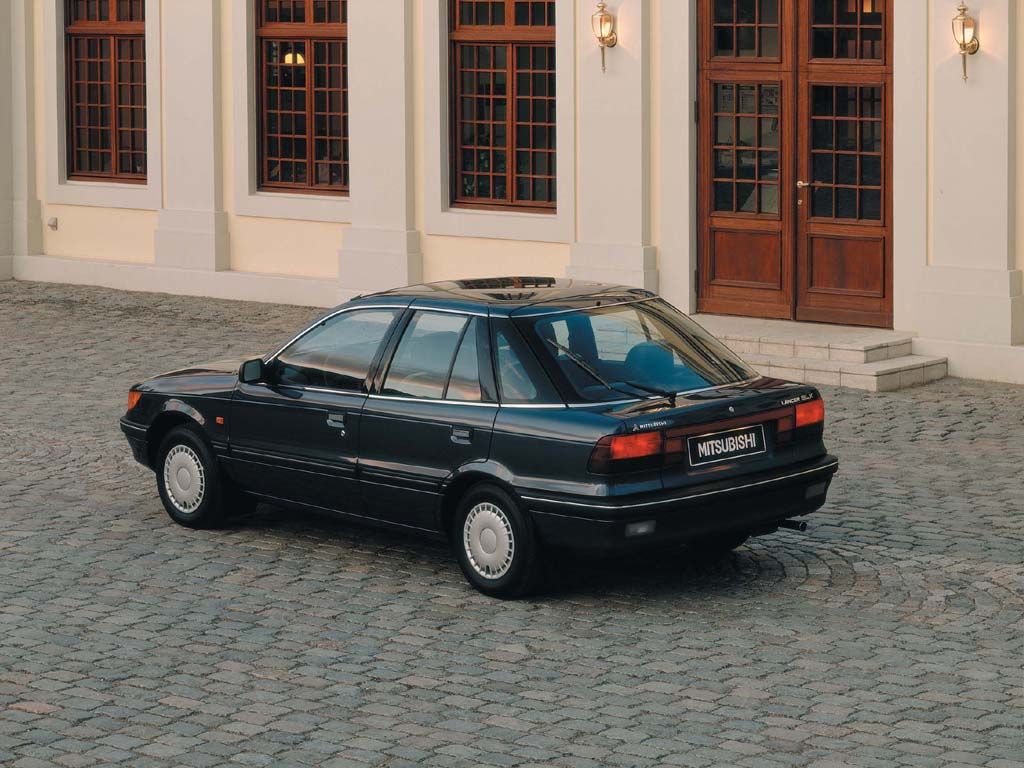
(192, 231)
(381, 249)
(24, 233)
(613, 238)
(971, 290)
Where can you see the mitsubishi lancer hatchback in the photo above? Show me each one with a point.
(512, 416)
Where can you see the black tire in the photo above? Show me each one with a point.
(196, 498)
(514, 573)
(716, 546)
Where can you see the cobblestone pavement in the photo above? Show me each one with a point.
(890, 634)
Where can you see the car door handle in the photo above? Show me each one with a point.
(462, 435)
(336, 421)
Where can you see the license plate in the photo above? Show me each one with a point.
(725, 446)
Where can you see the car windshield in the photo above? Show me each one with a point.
(635, 350)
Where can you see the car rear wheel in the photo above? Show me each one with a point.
(189, 480)
(495, 543)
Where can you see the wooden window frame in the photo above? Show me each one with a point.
(114, 30)
(308, 33)
(508, 34)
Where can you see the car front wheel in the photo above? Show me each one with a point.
(495, 543)
(189, 481)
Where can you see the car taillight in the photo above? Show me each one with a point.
(133, 398)
(625, 453)
(810, 413)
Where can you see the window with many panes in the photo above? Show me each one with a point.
(303, 95)
(105, 51)
(503, 103)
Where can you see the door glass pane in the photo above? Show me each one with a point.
(822, 167)
(723, 164)
(746, 137)
(424, 356)
(846, 152)
(464, 383)
(746, 165)
(871, 204)
(723, 196)
(871, 171)
(746, 197)
(846, 203)
(337, 353)
(746, 28)
(848, 29)
(821, 202)
(846, 169)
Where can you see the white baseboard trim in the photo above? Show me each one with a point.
(241, 286)
(967, 360)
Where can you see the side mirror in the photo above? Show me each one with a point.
(252, 371)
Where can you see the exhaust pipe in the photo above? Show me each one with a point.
(794, 525)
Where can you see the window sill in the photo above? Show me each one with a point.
(303, 206)
(139, 195)
(457, 220)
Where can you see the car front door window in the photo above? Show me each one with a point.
(338, 353)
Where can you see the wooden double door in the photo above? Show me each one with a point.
(795, 159)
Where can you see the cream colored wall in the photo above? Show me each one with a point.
(274, 246)
(110, 234)
(449, 258)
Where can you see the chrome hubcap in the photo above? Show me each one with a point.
(487, 537)
(184, 478)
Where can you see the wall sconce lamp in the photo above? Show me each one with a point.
(604, 30)
(964, 32)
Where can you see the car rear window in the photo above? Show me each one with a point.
(633, 350)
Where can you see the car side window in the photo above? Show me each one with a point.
(425, 355)
(464, 383)
(338, 353)
(521, 380)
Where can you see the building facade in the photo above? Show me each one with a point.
(808, 160)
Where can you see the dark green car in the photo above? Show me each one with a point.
(512, 416)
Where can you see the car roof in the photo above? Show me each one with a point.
(509, 295)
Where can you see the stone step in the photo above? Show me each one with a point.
(876, 376)
(808, 341)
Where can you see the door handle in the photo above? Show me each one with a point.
(462, 435)
(336, 421)
(805, 184)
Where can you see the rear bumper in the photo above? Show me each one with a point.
(751, 504)
(138, 441)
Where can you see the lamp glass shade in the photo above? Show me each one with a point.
(963, 30)
(604, 25)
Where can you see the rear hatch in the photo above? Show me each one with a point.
(730, 431)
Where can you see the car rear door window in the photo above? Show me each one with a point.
(338, 353)
(424, 356)
(464, 383)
